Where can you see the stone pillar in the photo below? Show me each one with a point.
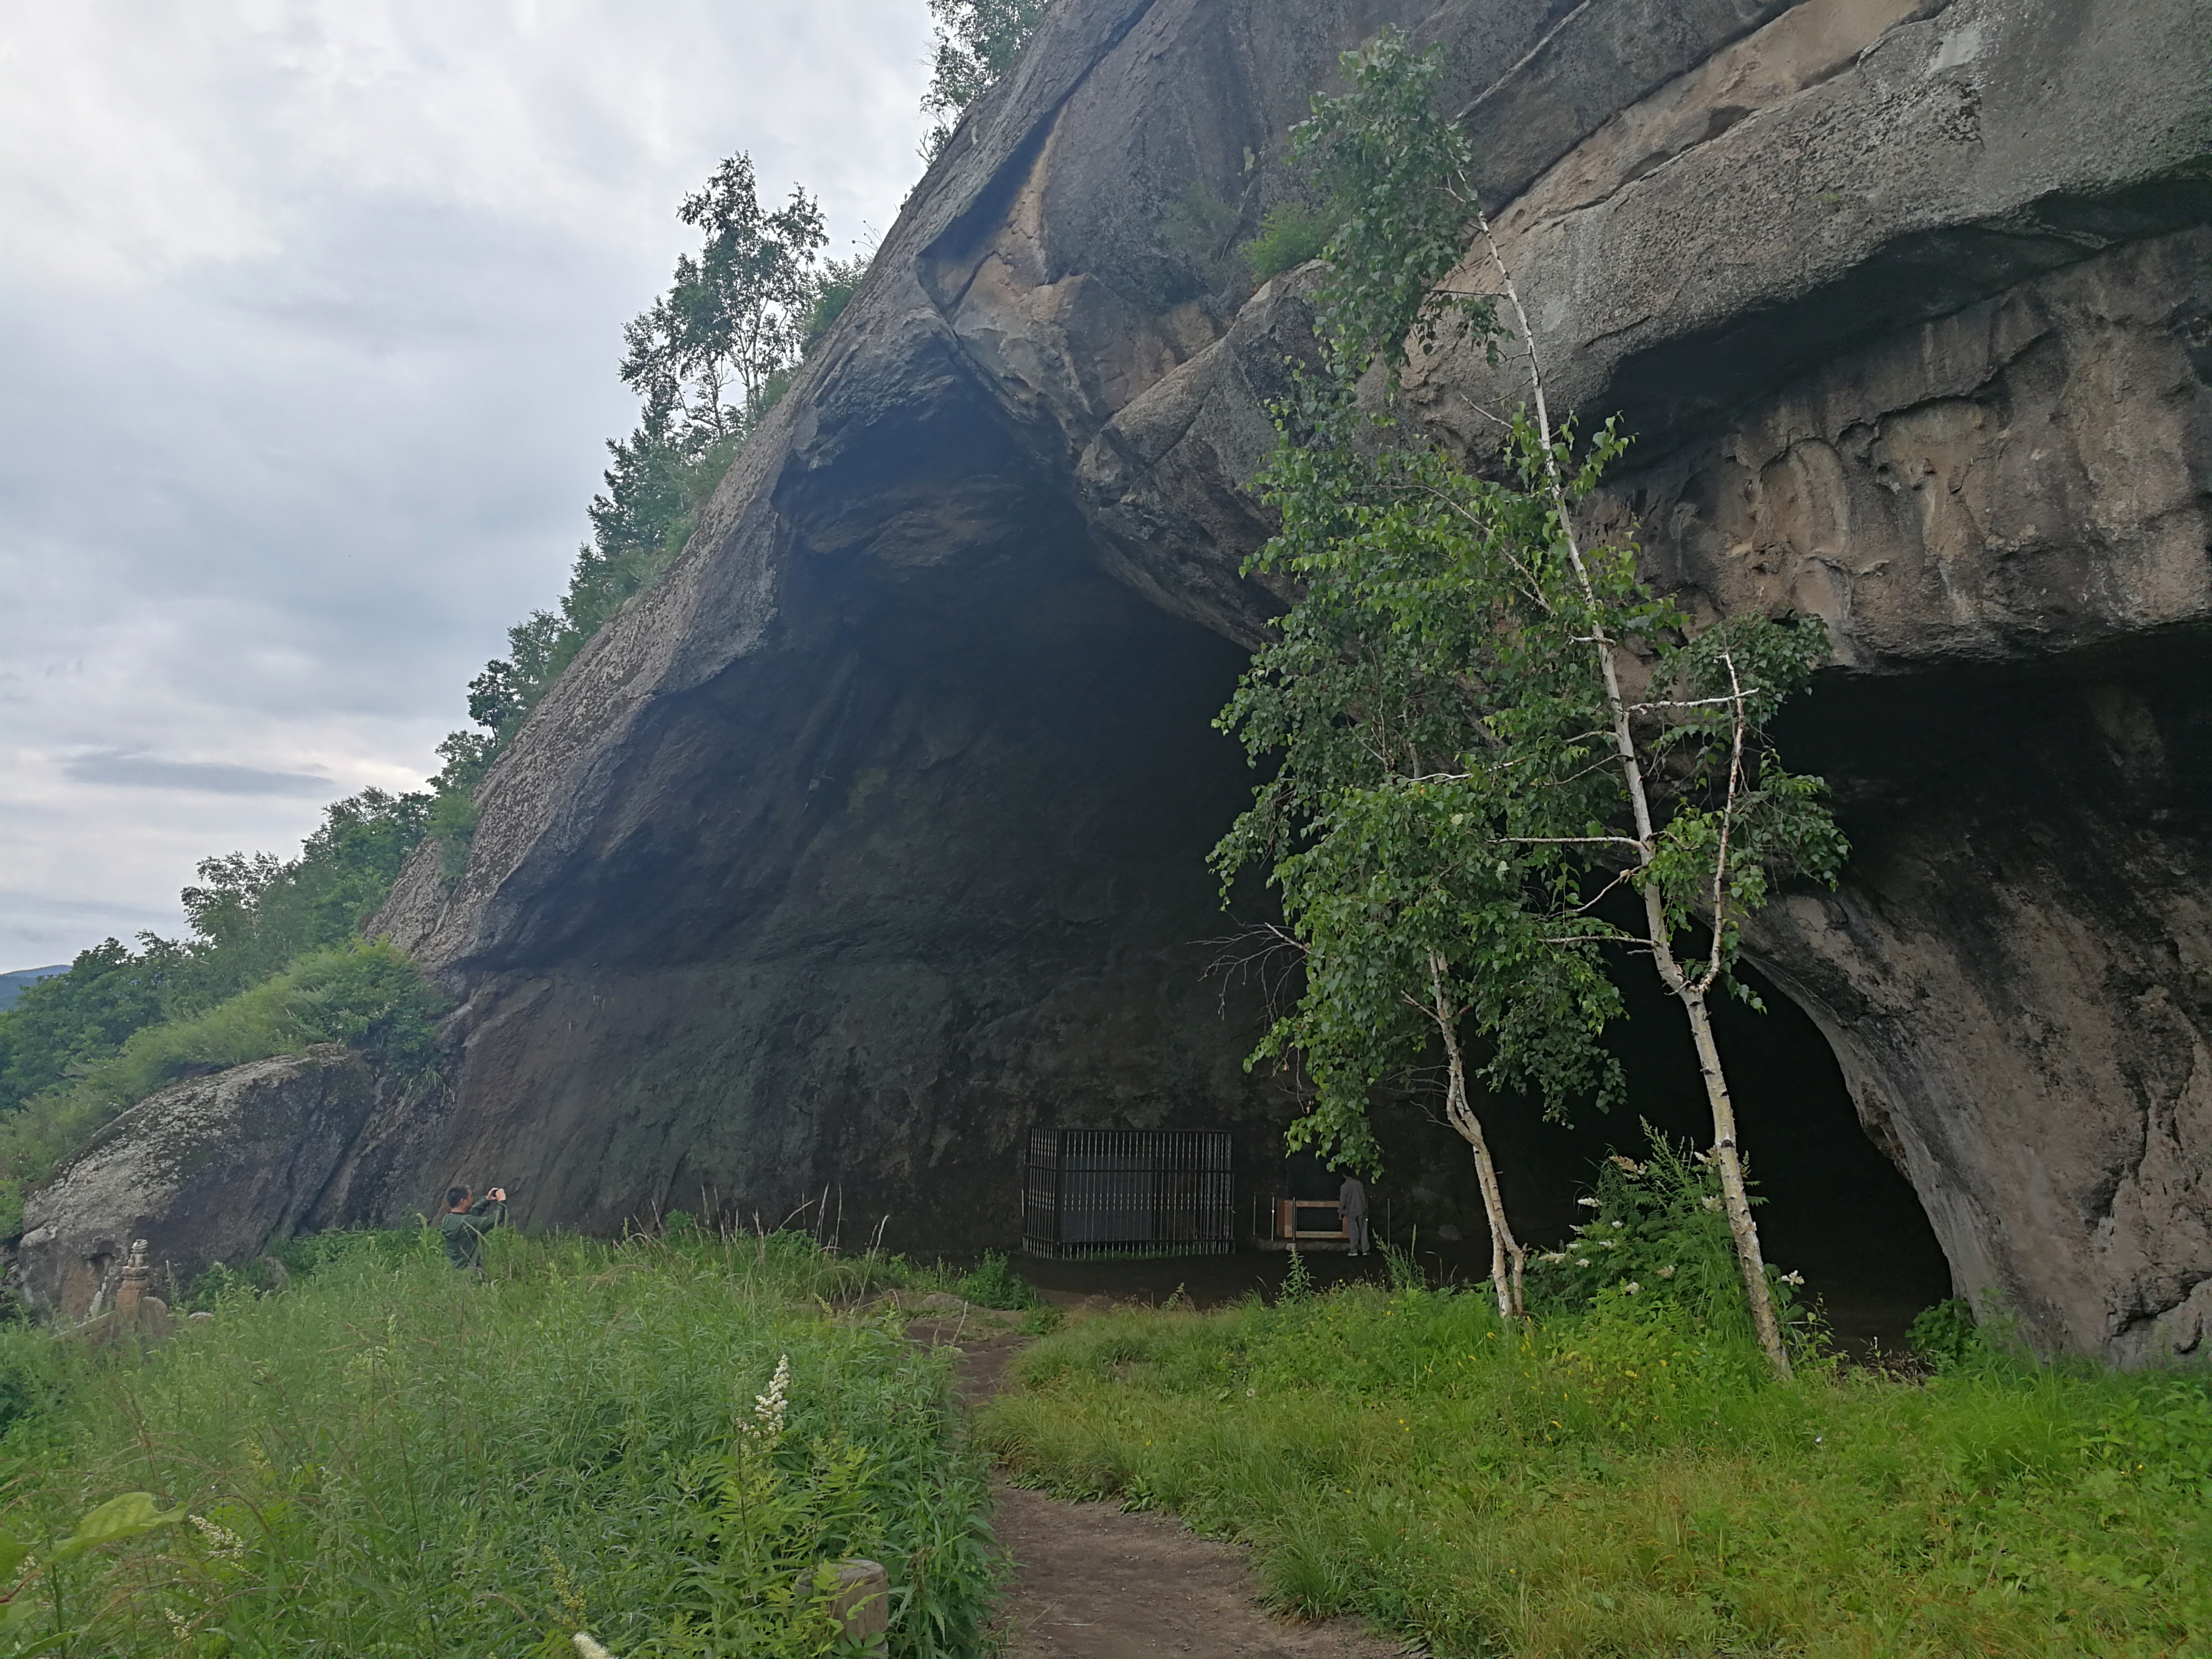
(135, 1313)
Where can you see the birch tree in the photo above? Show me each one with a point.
(1481, 728)
(709, 351)
(976, 42)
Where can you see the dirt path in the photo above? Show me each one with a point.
(1092, 1582)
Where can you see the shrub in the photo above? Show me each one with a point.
(369, 997)
(1656, 1230)
(993, 1284)
(1290, 235)
(452, 824)
(1946, 1335)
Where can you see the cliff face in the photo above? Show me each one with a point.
(875, 834)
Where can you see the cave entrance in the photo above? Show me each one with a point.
(1836, 1209)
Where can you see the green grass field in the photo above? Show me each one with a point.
(393, 1458)
(1611, 1481)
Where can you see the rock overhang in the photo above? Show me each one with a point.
(1029, 427)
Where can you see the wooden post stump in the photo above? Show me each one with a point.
(861, 1604)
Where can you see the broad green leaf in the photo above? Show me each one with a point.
(21, 1612)
(118, 1518)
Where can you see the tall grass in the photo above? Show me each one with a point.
(391, 1457)
(1619, 1482)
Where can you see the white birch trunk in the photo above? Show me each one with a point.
(1508, 1260)
(1691, 993)
(1733, 1197)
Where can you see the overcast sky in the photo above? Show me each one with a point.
(309, 310)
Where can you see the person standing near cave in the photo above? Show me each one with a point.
(1351, 1211)
(465, 1223)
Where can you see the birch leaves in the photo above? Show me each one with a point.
(1467, 809)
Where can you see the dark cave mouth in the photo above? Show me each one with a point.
(789, 790)
(1830, 1203)
(1831, 1206)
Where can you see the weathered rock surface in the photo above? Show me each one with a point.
(874, 836)
(206, 1171)
(2001, 513)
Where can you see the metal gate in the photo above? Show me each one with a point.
(1127, 1192)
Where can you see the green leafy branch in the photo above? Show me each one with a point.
(1461, 782)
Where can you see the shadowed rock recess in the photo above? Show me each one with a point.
(874, 836)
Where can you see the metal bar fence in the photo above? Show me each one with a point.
(1127, 1192)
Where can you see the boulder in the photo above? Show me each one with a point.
(874, 836)
(206, 1171)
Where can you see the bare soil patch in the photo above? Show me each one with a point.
(1091, 1581)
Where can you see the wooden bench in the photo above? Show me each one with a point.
(1292, 1224)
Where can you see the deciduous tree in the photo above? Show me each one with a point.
(976, 43)
(733, 318)
(1462, 773)
(707, 358)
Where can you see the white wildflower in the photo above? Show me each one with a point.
(223, 1544)
(769, 1408)
(1590, 1203)
(1793, 1279)
(179, 1626)
(1621, 1226)
(1667, 1272)
(1632, 1287)
(588, 1649)
(1610, 1244)
(1579, 1262)
(1711, 1202)
(1551, 1255)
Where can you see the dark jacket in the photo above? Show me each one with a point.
(465, 1231)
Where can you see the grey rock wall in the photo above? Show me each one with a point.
(874, 835)
(2001, 513)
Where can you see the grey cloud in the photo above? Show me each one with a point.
(367, 321)
(37, 929)
(128, 771)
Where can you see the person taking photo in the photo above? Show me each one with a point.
(466, 1220)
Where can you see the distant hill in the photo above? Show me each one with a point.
(14, 985)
